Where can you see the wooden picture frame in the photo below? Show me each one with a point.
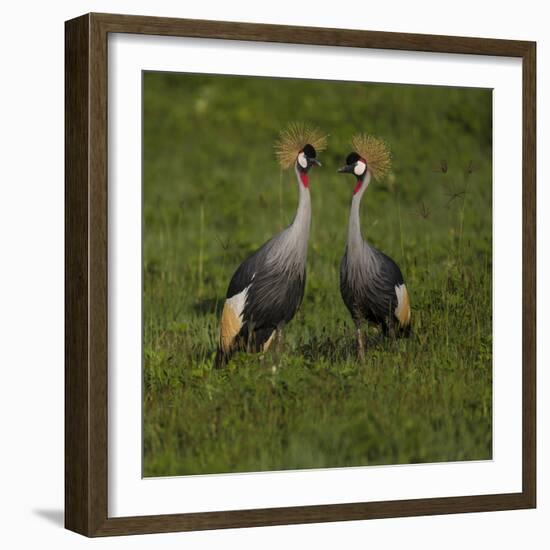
(86, 283)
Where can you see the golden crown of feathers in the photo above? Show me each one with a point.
(294, 138)
(375, 151)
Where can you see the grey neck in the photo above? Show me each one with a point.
(302, 220)
(355, 239)
(291, 251)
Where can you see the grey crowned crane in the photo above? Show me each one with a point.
(267, 288)
(371, 283)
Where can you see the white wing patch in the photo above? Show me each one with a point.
(232, 318)
(238, 301)
(403, 309)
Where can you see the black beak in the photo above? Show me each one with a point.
(348, 169)
(313, 162)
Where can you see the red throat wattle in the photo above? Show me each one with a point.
(358, 185)
(304, 179)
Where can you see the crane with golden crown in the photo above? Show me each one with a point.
(371, 283)
(267, 289)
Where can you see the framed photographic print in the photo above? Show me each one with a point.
(300, 275)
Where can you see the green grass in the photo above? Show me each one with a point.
(213, 193)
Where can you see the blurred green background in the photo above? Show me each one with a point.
(213, 193)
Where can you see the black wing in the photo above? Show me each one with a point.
(274, 297)
(243, 276)
(381, 296)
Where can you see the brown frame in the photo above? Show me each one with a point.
(86, 274)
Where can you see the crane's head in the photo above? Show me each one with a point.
(355, 164)
(370, 157)
(297, 146)
(307, 158)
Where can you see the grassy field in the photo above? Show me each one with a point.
(213, 193)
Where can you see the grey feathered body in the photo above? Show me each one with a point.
(273, 279)
(371, 283)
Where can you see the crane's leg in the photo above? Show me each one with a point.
(268, 342)
(277, 337)
(279, 341)
(360, 344)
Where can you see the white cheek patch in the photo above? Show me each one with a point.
(360, 168)
(302, 161)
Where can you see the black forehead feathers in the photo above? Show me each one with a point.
(309, 151)
(352, 158)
